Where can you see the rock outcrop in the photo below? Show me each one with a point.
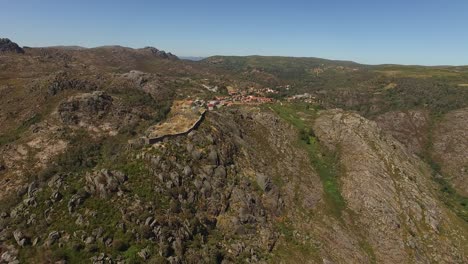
(7, 45)
(85, 106)
(410, 128)
(104, 182)
(450, 148)
(391, 192)
(63, 81)
(160, 53)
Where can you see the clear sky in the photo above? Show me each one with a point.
(425, 32)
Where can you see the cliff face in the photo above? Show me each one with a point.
(443, 140)
(391, 193)
(450, 148)
(410, 128)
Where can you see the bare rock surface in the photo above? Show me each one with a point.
(450, 148)
(410, 128)
(391, 193)
(104, 182)
(84, 106)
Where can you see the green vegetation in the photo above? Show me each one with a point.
(327, 168)
(141, 181)
(456, 202)
(370, 90)
(422, 71)
(297, 114)
(84, 155)
(324, 162)
(70, 254)
(369, 250)
(295, 251)
(15, 134)
(447, 194)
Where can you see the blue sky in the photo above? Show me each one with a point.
(368, 31)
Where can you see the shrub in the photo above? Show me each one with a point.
(120, 245)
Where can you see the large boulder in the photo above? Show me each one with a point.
(138, 77)
(104, 182)
(9, 255)
(20, 238)
(264, 182)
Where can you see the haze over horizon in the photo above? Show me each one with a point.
(419, 32)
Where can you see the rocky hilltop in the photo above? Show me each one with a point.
(264, 176)
(160, 53)
(7, 45)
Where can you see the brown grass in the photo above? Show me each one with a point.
(181, 118)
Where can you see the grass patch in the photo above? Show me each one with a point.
(369, 250)
(416, 72)
(293, 249)
(456, 202)
(139, 178)
(131, 255)
(447, 194)
(295, 114)
(15, 134)
(324, 162)
(326, 165)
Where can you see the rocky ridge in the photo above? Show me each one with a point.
(391, 192)
(7, 45)
(160, 53)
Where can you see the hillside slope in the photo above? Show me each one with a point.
(288, 181)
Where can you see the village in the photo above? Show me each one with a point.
(234, 97)
(250, 96)
(187, 114)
